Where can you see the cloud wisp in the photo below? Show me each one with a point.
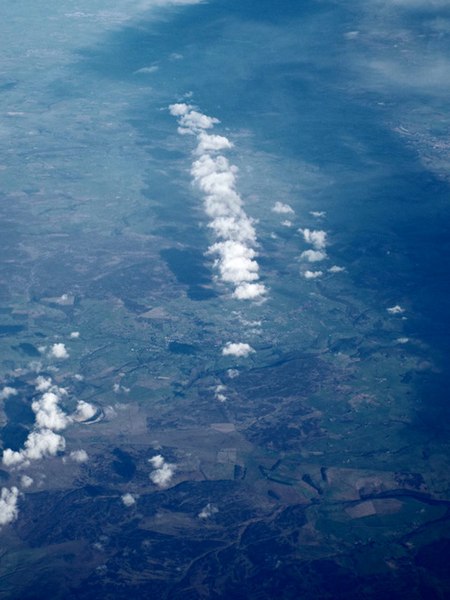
(283, 209)
(234, 250)
(396, 310)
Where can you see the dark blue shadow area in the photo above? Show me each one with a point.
(20, 419)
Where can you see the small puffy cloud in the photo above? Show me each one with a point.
(26, 481)
(8, 505)
(48, 414)
(43, 443)
(43, 384)
(312, 274)
(283, 209)
(208, 511)
(237, 349)
(7, 392)
(219, 393)
(12, 458)
(313, 255)
(74, 335)
(157, 461)
(59, 351)
(195, 120)
(212, 143)
(39, 444)
(395, 310)
(336, 269)
(232, 373)
(190, 119)
(286, 223)
(179, 109)
(79, 456)
(163, 473)
(316, 237)
(163, 476)
(402, 340)
(85, 411)
(249, 291)
(318, 214)
(129, 500)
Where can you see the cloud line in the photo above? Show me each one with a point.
(233, 229)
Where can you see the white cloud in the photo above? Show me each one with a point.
(48, 413)
(237, 349)
(157, 461)
(151, 69)
(236, 262)
(59, 351)
(249, 291)
(286, 223)
(232, 373)
(143, 5)
(395, 310)
(219, 393)
(191, 119)
(85, 411)
(26, 481)
(336, 269)
(8, 505)
(402, 340)
(212, 143)
(317, 238)
(208, 511)
(43, 384)
(39, 444)
(312, 274)
(313, 255)
(163, 476)
(179, 109)
(163, 473)
(79, 456)
(7, 392)
(42, 441)
(318, 214)
(283, 209)
(128, 500)
(74, 335)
